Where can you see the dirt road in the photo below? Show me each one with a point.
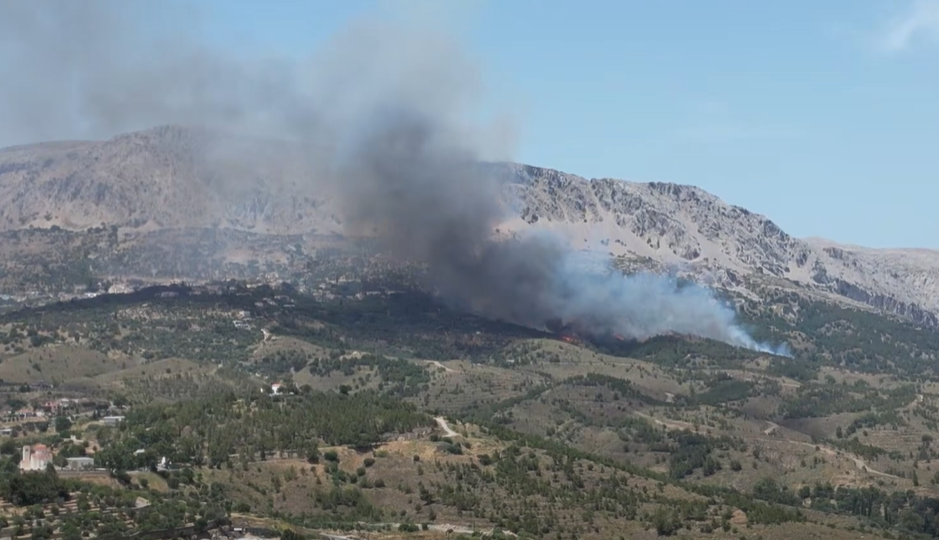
(441, 366)
(442, 422)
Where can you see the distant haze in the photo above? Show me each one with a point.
(390, 112)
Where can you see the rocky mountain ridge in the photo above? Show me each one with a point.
(687, 227)
(165, 177)
(177, 177)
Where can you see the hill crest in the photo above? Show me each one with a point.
(176, 177)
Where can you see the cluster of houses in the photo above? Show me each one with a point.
(38, 457)
(38, 298)
(39, 416)
(56, 407)
(242, 320)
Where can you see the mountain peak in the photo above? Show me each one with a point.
(178, 176)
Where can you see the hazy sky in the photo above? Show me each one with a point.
(823, 115)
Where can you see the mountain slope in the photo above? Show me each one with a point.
(168, 176)
(686, 226)
(177, 177)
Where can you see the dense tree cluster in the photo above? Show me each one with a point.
(34, 487)
(851, 338)
(623, 388)
(818, 400)
(398, 377)
(905, 510)
(217, 429)
(679, 352)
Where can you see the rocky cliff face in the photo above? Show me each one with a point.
(163, 177)
(686, 227)
(174, 177)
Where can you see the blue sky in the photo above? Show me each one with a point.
(823, 115)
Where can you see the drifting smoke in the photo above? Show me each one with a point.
(647, 305)
(390, 114)
(427, 200)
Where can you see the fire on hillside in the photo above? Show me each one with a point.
(576, 334)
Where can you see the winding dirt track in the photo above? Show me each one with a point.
(436, 363)
(442, 422)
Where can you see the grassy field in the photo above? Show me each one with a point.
(60, 363)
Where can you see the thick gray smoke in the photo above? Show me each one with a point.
(390, 113)
(424, 196)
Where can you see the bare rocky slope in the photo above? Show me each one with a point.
(687, 227)
(176, 177)
(168, 176)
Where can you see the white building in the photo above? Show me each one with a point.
(80, 463)
(35, 458)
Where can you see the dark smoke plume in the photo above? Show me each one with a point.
(390, 114)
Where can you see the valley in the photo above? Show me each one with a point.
(391, 413)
